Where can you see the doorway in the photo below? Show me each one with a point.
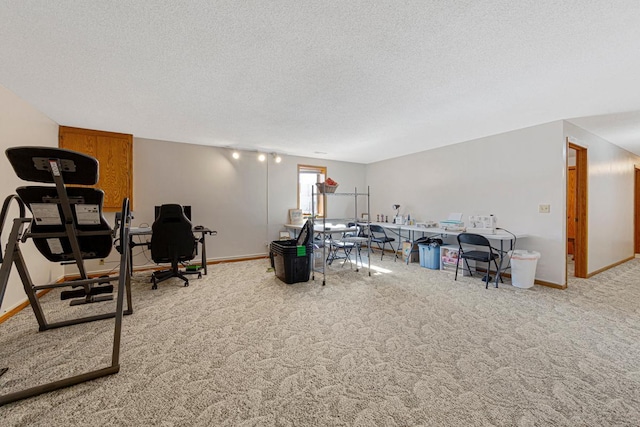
(636, 212)
(577, 174)
(571, 204)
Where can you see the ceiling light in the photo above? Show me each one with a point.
(236, 155)
(276, 158)
(261, 157)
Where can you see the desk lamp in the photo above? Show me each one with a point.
(397, 219)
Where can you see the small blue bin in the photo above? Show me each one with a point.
(429, 256)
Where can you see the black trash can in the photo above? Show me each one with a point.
(292, 258)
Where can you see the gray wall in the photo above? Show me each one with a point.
(245, 201)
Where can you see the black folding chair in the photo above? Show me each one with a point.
(379, 236)
(349, 242)
(491, 254)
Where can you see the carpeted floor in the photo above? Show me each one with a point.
(407, 346)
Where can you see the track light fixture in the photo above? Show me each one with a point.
(261, 156)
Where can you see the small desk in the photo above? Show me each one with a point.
(147, 231)
(295, 228)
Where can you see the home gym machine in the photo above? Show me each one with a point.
(67, 226)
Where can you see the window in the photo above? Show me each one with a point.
(308, 176)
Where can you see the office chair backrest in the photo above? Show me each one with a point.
(172, 238)
(473, 239)
(62, 214)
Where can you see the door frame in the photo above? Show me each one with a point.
(580, 249)
(636, 211)
(570, 243)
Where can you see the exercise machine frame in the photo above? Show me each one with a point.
(13, 256)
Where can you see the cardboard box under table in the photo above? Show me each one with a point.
(410, 250)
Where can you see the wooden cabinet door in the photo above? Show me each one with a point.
(114, 152)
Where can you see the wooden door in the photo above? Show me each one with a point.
(571, 209)
(114, 152)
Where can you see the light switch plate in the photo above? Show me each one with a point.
(544, 208)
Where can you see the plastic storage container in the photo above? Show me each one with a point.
(292, 258)
(291, 261)
(429, 256)
(523, 267)
(449, 257)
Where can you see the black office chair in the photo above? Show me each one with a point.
(172, 241)
(491, 254)
(379, 236)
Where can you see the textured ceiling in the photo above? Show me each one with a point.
(357, 80)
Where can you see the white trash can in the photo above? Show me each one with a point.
(523, 267)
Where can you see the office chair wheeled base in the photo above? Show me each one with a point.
(162, 275)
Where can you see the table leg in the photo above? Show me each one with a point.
(131, 255)
(204, 253)
(502, 259)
